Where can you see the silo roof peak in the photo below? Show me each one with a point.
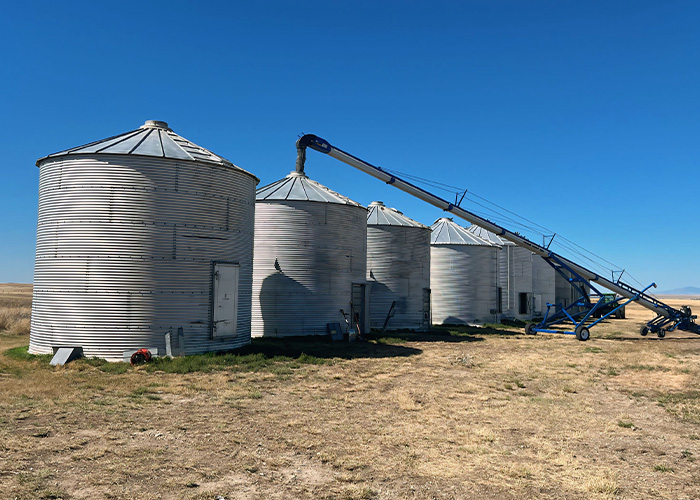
(488, 235)
(380, 215)
(298, 187)
(447, 232)
(153, 138)
(155, 124)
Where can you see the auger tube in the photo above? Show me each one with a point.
(323, 146)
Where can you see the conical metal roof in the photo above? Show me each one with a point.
(298, 187)
(380, 215)
(488, 235)
(154, 138)
(446, 232)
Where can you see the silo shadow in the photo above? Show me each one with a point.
(281, 307)
(322, 347)
(447, 332)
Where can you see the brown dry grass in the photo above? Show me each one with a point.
(15, 308)
(477, 415)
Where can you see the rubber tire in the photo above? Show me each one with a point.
(643, 331)
(582, 333)
(529, 328)
(661, 333)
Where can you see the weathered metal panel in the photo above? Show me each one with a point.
(125, 245)
(398, 270)
(307, 256)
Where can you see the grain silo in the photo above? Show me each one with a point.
(525, 280)
(398, 269)
(463, 275)
(310, 259)
(142, 236)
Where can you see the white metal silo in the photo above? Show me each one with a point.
(310, 259)
(526, 281)
(398, 269)
(139, 235)
(463, 275)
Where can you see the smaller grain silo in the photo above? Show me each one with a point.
(526, 281)
(463, 275)
(398, 269)
(310, 259)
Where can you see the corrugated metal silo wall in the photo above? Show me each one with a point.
(515, 277)
(463, 282)
(398, 258)
(543, 284)
(321, 250)
(125, 247)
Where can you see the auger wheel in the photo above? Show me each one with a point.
(582, 333)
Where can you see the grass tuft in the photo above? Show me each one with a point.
(663, 468)
(684, 405)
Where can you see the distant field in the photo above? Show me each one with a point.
(15, 307)
(459, 413)
(679, 298)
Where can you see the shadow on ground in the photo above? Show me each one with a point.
(444, 333)
(323, 347)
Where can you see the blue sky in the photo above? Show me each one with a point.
(581, 116)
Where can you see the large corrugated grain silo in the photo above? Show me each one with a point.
(463, 275)
(526, 281)
(398, 269)
(310, 259)
(140, 235)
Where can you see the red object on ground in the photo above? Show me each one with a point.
(140, 357)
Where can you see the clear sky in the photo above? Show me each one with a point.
(581, 116)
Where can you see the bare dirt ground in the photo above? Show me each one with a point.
(485, 413)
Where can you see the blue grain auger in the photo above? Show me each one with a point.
(581, 313)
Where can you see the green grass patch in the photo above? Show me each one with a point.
(105, 366)
(593, 349)
(624, 424)
(21, 353)
(280, 356)
(684, 405)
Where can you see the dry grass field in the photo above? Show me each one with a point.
(15, 308)
(460, 413)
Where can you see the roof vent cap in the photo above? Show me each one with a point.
(377, 204)
(155, 124)
(296, 173)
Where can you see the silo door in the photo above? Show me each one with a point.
(225, 299)
(537, 301)
(357, 306)
(426, 308)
